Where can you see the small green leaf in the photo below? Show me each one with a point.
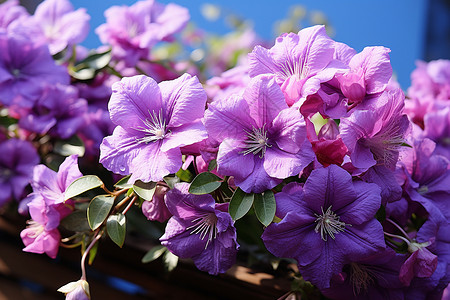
(145, 190)
(212, 165)
(406, 145)
(170, 261)
(153, 254)
(116, 228)
(95, 61)
(240, 204)
(184, 175)
(265, 207)
(83, 74)
(98, 210)
(74, 145)
(171, 181)
(123, 183)
(81, 185)
(205, 183)
(93, 254)
(76, 221)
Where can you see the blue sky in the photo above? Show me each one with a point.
(398, 25)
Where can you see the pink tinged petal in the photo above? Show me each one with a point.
(133, 100)
(291, 88)
(281, 164)
(331, 186)
(68, 172)
(119, 150)
(230, 156)
(152, 164)
(258, 181)
(265, 99)
(180, 241)
(353, 85)
(46, 242)
(228, 118)
(364, 206)
(184, 135)
(289, 130)
(377, 67)
(184, 100)
(294, 237)
(421, 263)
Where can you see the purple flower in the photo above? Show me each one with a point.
(295, 60)
(262, 140)
(374, 135)
(11, 11)
(62, 26)
(17, 159)
(58, 111)
(133, 30)
(97, 125)
(437, 128)
(200, 229)
(24, 68)
(156, 210)
(375, 277)
(421, 263)
(78, 290)
(46, 206)
(427, 178)
(153, 122)
(431, 80)
(370, 71)
(326, 224)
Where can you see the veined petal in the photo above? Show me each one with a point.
(265, 99)
(228, 118)
(281, 164)
(230, 156)
(289, 130)
(184, 135)
(133, 100)
(152, 164)
(118, 150)
(258, 181)
(184, 100)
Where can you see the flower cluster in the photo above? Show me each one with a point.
(307, 143)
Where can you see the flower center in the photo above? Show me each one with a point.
(256, 142)
(360, 278)
(328, 224)
(16, 72)
(36, 229)
(205, 226)
(154, 128)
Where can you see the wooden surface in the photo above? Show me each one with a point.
(33, 276)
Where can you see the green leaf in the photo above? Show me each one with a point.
(81, 185)
(76, 221)
(95, 61)
(83, 74)
(170, 261)
(406, 145)
(171, 181)
(93, 254)
(184, 175)
(212, 165)
(145, 190)
(153, 254)
(240, 204)
(98, 210)
(205, 183)
(116, 228)
(74, 145)
(123, 183)
(265, 207)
